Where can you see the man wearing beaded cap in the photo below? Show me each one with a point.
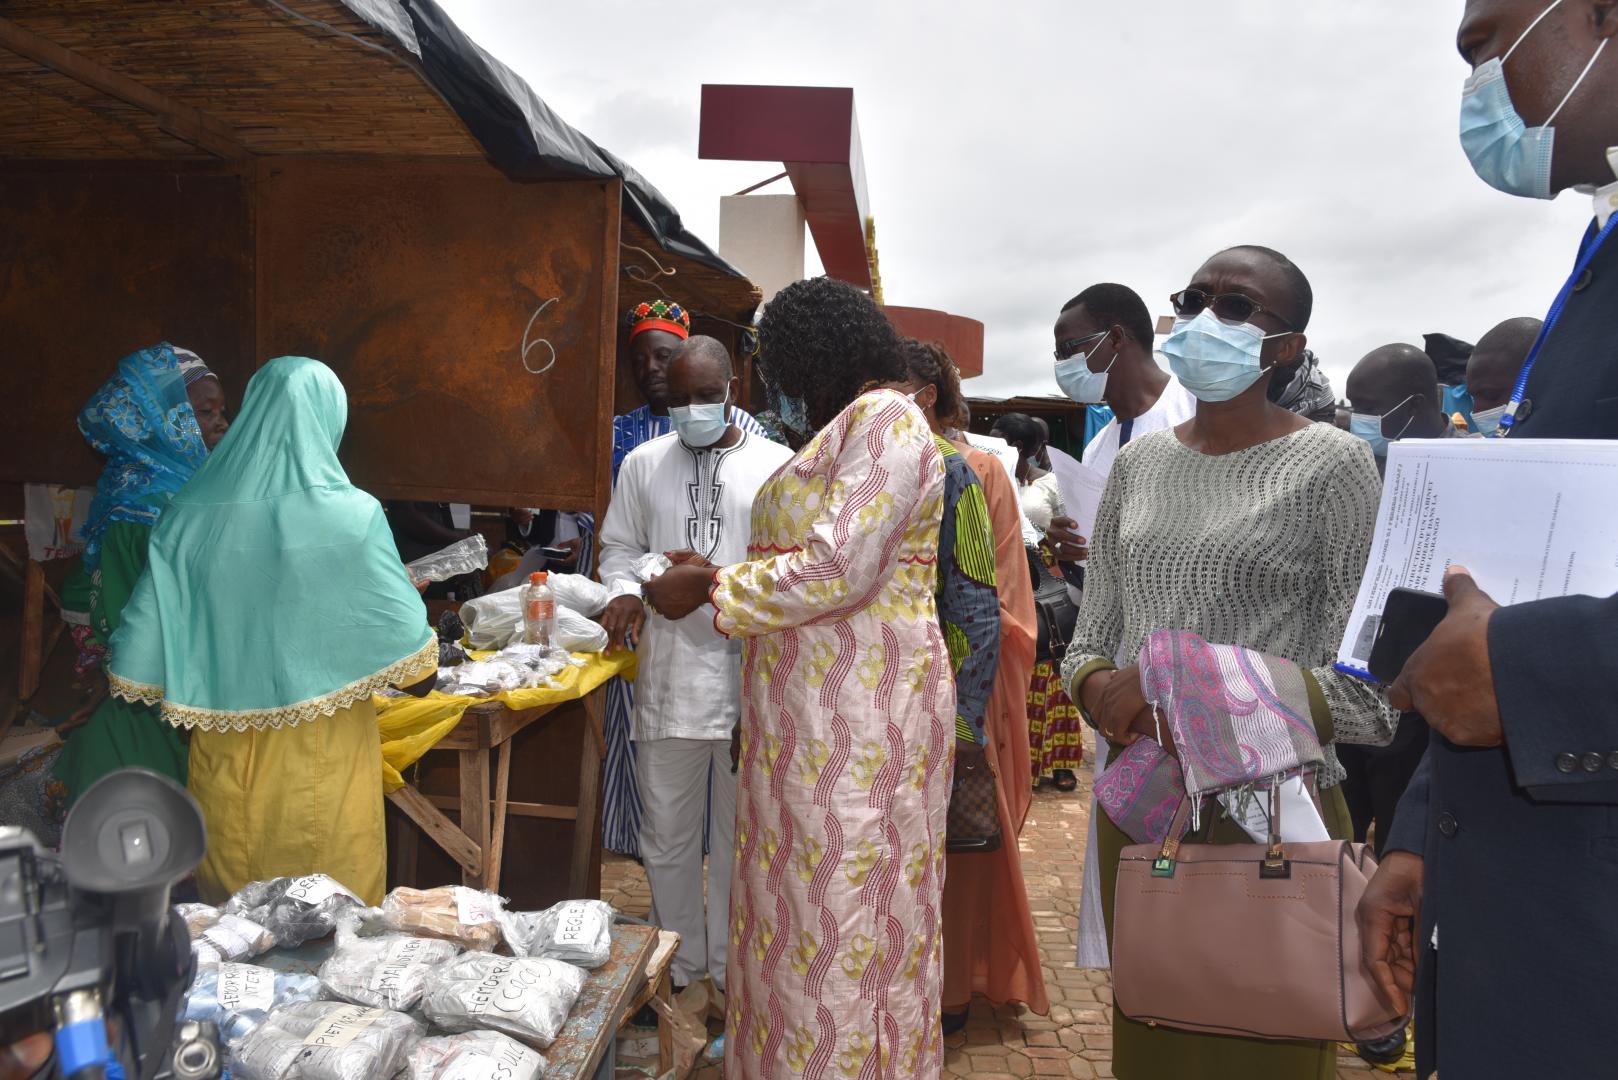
(656, 330)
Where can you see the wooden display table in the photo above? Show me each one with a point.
(472, 779)
(478, 842)
(593, 1028)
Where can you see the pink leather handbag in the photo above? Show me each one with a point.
(1257, 940)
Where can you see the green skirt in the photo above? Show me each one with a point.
(118, 735)
(1157, 1053)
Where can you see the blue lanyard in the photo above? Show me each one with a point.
(1509, 419)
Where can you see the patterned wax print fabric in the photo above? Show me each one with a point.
(1055, 726)
(141, 422)
(968, 608)
(847, 731)
(990, 946)
(620, 795)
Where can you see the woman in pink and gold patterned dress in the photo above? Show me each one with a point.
(848, 724)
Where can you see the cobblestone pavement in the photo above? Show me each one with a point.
(998, 1044)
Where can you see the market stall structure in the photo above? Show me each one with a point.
(353, 180)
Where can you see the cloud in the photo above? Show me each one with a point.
(1017, 152)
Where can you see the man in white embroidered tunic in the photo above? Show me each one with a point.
(691, 490)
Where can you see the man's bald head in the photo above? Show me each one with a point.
(1491, 372)
(1400, 384)
(701, 373)
(703, 351)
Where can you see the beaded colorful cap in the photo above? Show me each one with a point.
(659, 315)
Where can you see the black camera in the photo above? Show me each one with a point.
(90, 949)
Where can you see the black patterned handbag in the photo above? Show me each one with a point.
(974, 804)
(1054, 610)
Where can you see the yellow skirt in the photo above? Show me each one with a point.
(293, 801)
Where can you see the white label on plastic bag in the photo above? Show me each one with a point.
(246, 987)
(401, 957)
(316, 889)
(473, 907)
(233, 936)
(578, 926)
(344, 1026)
(513, 1062)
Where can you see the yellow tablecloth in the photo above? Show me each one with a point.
(412, 726)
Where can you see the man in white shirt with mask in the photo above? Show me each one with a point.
(1104, 357)
(691, 490)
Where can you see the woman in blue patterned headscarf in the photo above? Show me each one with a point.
(144, 423)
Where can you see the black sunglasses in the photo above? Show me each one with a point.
(1066, 350)
(1232, 307)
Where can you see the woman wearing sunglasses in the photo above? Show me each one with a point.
(1247, 525)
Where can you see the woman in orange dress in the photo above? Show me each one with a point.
(989, 942)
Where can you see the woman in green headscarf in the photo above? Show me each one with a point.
(154, 422)
(274, 606)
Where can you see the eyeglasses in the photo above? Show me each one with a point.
(1066, 350)
(1231, 307)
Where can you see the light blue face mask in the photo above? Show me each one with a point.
(1078, 382)
(1368, 426)
(791, 411)
(1214, 359)
(1505, 152)
(1487, 422)
(700, 426)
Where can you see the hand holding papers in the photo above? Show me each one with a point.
(1081, 488)
(1530, 519)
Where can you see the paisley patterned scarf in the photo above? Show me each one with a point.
(1237, 718)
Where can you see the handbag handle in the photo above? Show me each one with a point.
(1275, 865)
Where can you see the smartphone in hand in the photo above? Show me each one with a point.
(1408, 618)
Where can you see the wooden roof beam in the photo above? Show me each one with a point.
(181, 121)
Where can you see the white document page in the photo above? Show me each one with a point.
(1007, 455)
(1530, 519)
(1081, 488)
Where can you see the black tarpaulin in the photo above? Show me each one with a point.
(519, 132)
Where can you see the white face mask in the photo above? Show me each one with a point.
(700, 426)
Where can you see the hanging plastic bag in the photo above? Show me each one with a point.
(578, 932)
(468, 917)
(295, 909)
(387, 972)
(475, 1055)
(238, 997)
(231, 938)
(460, 558)
(527, 999)
(325, 1040)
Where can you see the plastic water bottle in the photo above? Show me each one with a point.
(538, 611)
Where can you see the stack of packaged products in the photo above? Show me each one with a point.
(436, 984)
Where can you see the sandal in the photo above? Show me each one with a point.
(1065, 780)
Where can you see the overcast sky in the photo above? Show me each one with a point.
(1017, 152)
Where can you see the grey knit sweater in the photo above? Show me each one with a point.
(1261, 548)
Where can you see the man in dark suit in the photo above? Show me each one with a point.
(1496, 907)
